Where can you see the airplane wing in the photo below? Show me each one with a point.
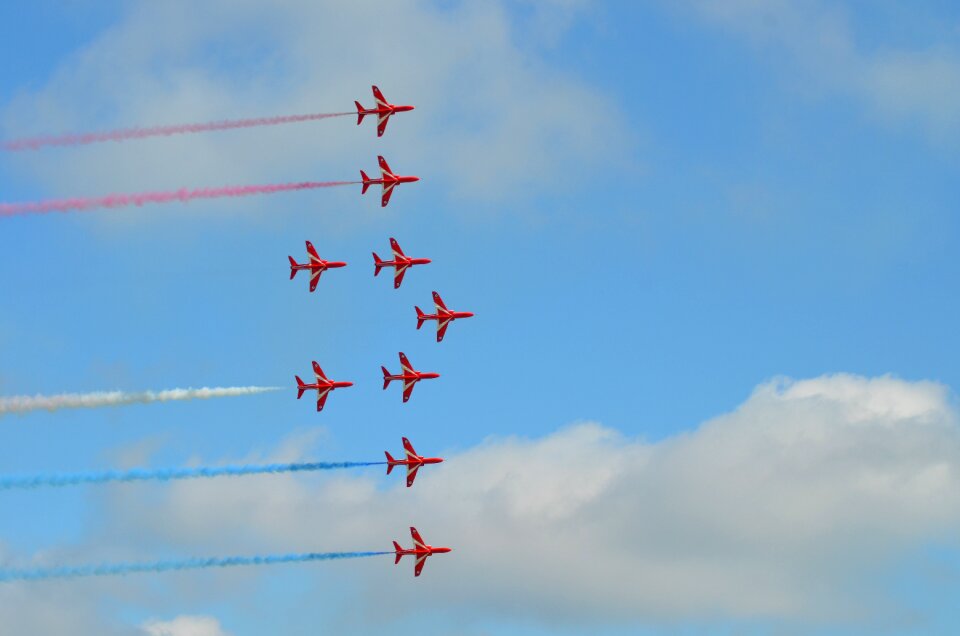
(315, 278)
(408, 448)
(418, 568)
(405, 364)
(384, 167)
(418, 541)
(379, 98)
(397, 252)
(398, 275)
(382, 123)
(408, 389)
(439, 302)
(317, 371)
(442, 329)
(322, 398)
(412, 473)
(314, 257)
(387, 192)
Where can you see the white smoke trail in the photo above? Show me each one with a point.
(27, 403)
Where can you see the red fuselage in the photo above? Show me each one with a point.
(447, 315)
(388, 180)
(405, 262)
(318, 265)
(416, 376)
(415, 461)
(389, 109)
(427, 550)
(330, 384)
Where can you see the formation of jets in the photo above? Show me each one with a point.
(420, 551)
(408, 376)
(413, 462)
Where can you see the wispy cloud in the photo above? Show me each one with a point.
(816, 46)
(184, 626)
(493, 119)
(781, 509)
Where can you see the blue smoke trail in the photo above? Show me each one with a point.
(115, 569)
(167, 474)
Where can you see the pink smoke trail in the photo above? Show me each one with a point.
(183, 195)
(35, 143)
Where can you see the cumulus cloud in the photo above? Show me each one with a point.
(493, 119)
(816, 40)
(789, 508)
(185, 626)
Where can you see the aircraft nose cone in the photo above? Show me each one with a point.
(415, 178)
(348, 384)
(469, 314)
(439, 460)
(426, 260)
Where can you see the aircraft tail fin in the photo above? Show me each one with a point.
(360, 113)
(293, 267)
(377, 264)
(300, 386)
(397, 549)
(366, 181)
(390, 461)
(386, 377)
(420, 316)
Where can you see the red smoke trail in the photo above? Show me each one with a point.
(183, 195)
(34, 143)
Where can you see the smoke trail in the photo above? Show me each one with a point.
(113, 569)
(167, 474)
(26, 403)
(183, 195)
(35, 143)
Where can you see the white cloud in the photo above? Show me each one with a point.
(492, 120)
(50, 608)
(821, 52)
(185, 626)
(789, 508)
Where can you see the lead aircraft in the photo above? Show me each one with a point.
(413, 462)
(420, 551)
(384, 110)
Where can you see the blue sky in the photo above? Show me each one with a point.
(652, 209)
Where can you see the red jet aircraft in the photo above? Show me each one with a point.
(316, 266)
(323, 386)
(409, 376)
(387, 179)
(400, 263)
(383, 111)
(443, 316)
(420, 550)
(413, 462)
